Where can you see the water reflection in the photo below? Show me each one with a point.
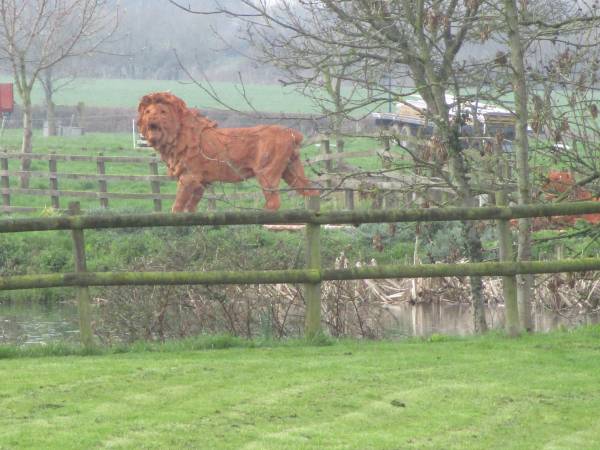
(425, 319)
(34, 323)
(31, 323)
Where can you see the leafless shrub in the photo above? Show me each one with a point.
(569, 293)
(160, 313)
(351, 308)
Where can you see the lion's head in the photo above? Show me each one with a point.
(159, 118)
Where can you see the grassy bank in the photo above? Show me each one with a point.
(479, 393)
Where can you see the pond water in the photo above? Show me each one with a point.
(33, 323)
(425, 319)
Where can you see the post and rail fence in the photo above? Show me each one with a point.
(311, 276)
(333, 176)
(100, 178)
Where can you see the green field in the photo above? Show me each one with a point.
(126, 93)
(478, 393)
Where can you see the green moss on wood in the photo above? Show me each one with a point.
(297, 275)
(295, 217)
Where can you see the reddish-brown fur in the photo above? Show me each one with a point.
(199, 153)
(559, 182)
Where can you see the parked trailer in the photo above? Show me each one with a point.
(410, 120)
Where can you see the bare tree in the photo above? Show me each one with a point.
(419, 40)
(429, 43)
(321, 70)
(35, 35)
(52, 81)
(519, 85)
(544, 42)
(565, 104)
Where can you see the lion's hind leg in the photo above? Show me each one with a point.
(294, 176)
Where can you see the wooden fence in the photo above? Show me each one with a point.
(311, 276)
(54, 193)
(334, 174)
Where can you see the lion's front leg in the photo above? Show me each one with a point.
(194, 199)
(270, 188)
(189, 193)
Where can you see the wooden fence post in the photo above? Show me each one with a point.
(53, 180)
(82, 292)
(378, 196)
(559, 249)
(155, 185)
(339, 145)
(102, 181)
(391, 200)
(212, 203)
(312, 291)
(349, 199)
(5, 182)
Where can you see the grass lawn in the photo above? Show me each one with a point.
(479, 393)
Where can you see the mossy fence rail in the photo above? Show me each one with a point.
(311, 276)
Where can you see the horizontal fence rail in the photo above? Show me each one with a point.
(79, 158)
(296, 275)
(15, 225)
(87, 176)
(310, 277)
(141, 159)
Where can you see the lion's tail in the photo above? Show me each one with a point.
(294, 174)
(297, 137)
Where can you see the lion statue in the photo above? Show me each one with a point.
(199, 153)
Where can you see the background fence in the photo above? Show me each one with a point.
(100, 179)
(332, 169)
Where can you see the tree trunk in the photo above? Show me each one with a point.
(509, 283)
(50, 106)
(458, 172)
(518, 74)
(475, 253)
(470, 233)
(505, 250)
(51, 118)
(433, 82)
(27, 138)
